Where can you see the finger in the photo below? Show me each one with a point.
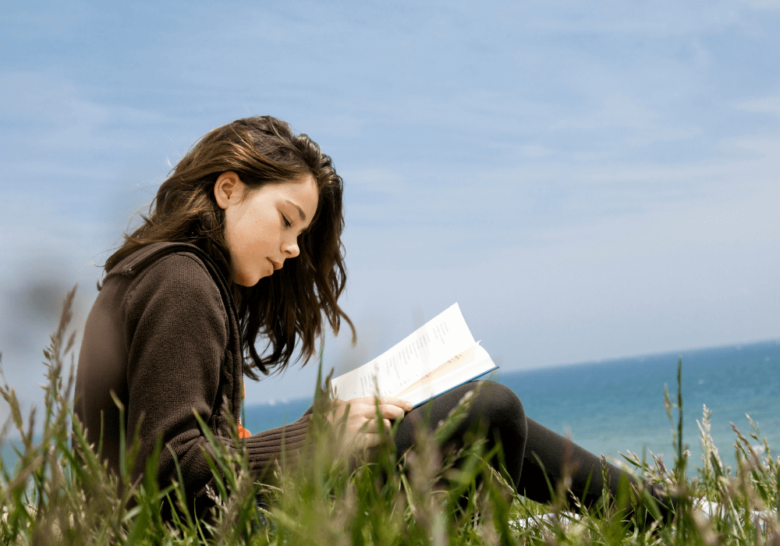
(373, 425)
(364, 407)
(339, 409)
(369, 412)
(365, 400)
(390, 400)
(390, 412)
(395, 401)
(369, 439)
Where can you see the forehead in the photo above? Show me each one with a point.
(302, 193)
(303, 188)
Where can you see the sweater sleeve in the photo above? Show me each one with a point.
(266, 447)
(177, 335)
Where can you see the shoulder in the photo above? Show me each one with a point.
(143, 258)
(174, 278)
(177, 270)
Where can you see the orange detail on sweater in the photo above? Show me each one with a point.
(242, 432)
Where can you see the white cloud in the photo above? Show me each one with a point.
(61, 134)
(574, 173)
(534, 150)
(763, 4)
(645, 124)
(667, 279)
(661, 18)
(377, 180)
(767, 105)
(38, 97)
(671, 268)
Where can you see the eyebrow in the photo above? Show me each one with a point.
(300, 210)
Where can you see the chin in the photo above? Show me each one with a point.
(246, 281)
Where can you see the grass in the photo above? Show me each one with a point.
(51, 496)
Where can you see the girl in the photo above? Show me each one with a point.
(242, 245)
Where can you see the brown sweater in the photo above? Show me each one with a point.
(164, 337)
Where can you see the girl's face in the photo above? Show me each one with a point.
(262, 225)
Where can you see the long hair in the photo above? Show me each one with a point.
(289, 307)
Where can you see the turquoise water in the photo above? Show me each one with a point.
(615, 406)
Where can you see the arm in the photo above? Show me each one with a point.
(177, 335)
(176, 332)
(359, 418)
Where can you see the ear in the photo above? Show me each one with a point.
(228, 190)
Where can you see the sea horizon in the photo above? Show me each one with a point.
(615, 405)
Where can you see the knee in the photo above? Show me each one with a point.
(501, 407)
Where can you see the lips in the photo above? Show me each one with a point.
(274, 265)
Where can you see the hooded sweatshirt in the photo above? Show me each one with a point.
(163, 337)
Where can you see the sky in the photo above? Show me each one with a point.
(588, 180)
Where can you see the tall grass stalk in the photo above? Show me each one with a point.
(59, 491)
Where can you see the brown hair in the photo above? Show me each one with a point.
(286, 308)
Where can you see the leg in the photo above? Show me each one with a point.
(500, 412)
(497, 410)
(545, 454)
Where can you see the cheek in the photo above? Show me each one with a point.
(249, 237)
(245, 256)
(242, 244)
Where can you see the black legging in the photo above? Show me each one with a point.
(499, 411)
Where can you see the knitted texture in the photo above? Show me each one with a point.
(163, 336)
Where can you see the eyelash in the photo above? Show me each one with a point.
(286, 221)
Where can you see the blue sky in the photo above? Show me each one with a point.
(587, 179)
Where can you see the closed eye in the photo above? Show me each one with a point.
(286, 221)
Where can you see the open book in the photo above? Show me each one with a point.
(438, 357)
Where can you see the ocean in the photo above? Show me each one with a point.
(614, 406)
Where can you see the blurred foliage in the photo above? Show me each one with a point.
(53, 496)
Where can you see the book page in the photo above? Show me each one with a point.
(463, 359)
(440, 339)
(471, 364)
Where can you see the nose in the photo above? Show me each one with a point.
(291, 249)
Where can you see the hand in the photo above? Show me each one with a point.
(361, 429)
